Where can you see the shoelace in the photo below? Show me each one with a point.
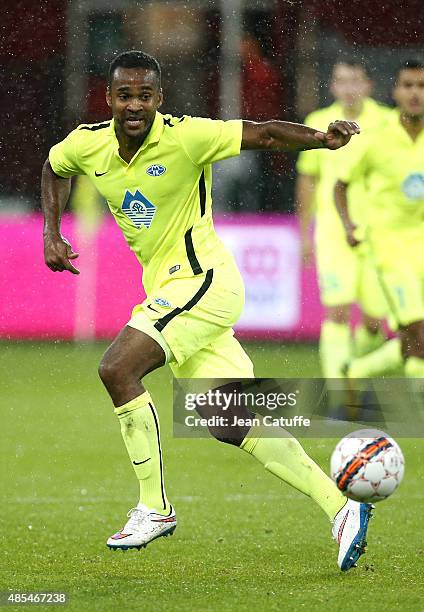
(136, 516)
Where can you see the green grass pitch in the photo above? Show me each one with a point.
(245, 541)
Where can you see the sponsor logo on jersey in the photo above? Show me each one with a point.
(138, 209)
(156, 170)
(413, 186)
(162, 302)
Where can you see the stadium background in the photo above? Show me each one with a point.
(65, 477)
(258, 60)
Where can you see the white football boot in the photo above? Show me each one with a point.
(143, 526)
(350, 531)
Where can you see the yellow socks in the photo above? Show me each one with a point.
(285, 458)
(335, 348)
(140, 431)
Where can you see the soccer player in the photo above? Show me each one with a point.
(392, 163)
(346, 275)
(154, 171)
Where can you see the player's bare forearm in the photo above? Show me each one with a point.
(286, 136)
(340, 197)
(54, 196)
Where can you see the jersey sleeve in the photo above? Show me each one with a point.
(63, 156)
(208, 140)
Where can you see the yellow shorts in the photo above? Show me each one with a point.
(192, 319)
(348, 275)
(399, 257)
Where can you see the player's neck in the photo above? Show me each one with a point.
(128, 147)
(413, 125)
(353, 112)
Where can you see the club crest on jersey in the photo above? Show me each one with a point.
(156, 170)
(413, 186)
(138, 209)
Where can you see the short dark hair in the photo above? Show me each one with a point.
(411, 64)
(353, 62)
(134, 59)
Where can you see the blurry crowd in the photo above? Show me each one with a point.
(285, 59)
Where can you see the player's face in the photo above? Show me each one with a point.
(134, 97)
(409, 92)
(349, 84)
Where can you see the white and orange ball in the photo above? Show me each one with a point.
(367, 465)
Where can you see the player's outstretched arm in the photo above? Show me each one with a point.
(55, 192)
(285, 136)
(340, 197)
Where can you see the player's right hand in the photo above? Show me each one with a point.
(57, 253)
(350, 235)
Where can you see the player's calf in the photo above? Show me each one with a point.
(229, 426)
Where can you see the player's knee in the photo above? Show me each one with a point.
(117, 371)
(105, 372)
(109, 372)
(405, 345)
(412, 340)
(372, 325)
(420, 339)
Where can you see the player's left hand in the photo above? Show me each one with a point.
(338, 134)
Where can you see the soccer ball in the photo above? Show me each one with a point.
(367, 465)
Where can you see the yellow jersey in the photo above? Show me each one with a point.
(392, 166)
(161, 200)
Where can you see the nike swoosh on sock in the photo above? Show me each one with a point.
(140, 462)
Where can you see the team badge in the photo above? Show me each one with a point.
(138, 209)
(156, 170)
(162, 302)
(413, 186)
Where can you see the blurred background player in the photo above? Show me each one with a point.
(392, 163)
(345, 274)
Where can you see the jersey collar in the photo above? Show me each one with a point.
(155, 133)
(398, 129)
(368, 106)
(153, 136)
